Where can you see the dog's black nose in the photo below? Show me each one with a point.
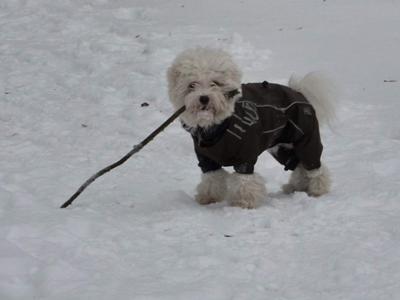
(204, 100)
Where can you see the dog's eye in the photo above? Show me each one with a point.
(192, 85)
(215, 83)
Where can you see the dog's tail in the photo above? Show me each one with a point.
(320, 91)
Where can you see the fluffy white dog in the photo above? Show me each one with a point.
(233, 123)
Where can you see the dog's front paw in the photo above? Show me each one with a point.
(245, 203)
(212, 187)
(205, 199)
(246, 190)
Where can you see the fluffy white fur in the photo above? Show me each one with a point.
(242, 190)
(246, 190)
(203, 72)
(315, 183)
(320, 91)
(212, 73)
(213, 187)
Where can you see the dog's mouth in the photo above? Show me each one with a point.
(205, 112)
(206, 108)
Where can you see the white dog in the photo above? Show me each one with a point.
(233, 123)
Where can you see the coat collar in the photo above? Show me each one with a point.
(205, 137)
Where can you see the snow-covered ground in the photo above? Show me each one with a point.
(73, 76)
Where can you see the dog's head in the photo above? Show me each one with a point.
(207, 81)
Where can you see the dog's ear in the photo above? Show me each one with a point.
(174, 91)
(172, 76)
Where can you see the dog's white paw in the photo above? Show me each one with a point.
(206, 199)
(319, 182)
(212, 187)
(298, 181)
(246, 203)
(315, 183)
(288, 188)
(246, 190)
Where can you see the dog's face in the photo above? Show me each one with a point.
(203, 79)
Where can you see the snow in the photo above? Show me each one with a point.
(73, 76)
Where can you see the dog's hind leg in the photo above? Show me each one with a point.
(298, 181)
(319, 182)
(315, 182)
(246, 190)
(212, 187)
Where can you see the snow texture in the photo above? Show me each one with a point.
(73, 76)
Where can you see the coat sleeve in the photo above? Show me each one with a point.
(206, 164)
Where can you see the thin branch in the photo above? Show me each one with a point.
(135, 149)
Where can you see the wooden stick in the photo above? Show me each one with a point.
(135, 149)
